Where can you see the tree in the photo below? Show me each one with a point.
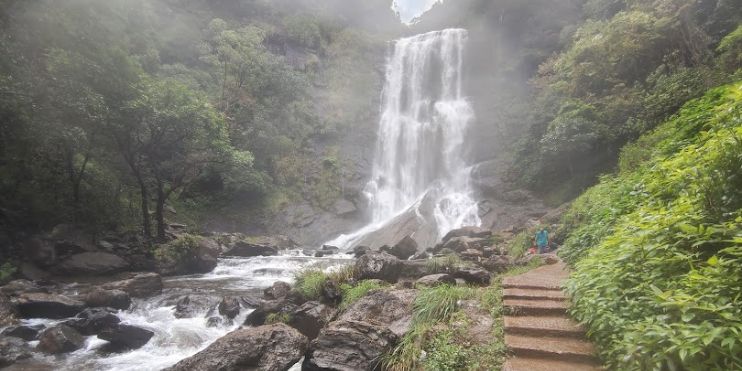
(168, 137)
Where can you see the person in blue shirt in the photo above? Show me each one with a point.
(542, 240)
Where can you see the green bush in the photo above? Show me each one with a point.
(175, 250)
(274, 318)
(658, 247)
(309, 283)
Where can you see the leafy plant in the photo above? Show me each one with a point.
(274, 318)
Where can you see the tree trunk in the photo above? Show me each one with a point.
(160, 212)
(146, 226)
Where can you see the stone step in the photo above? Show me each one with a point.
(554, 348)
(533, 294)
(540, 364)
(520, 307)
(516, 283)
(543, 326)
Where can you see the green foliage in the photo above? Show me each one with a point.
(7, 271)
(309, 283)
(658, 247)
(445, 354)
(535, 262)
(519, 245)
(730, 50)
(443, 264)
(351, 293)
(175, 250)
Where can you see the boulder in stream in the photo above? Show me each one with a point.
(92, 321)
(8, 313)
(229, 307)
(60, 339)
(116, 299)
(187, 255)
(25, 332)
(124, 337)
(273, 347)
(138, 285)
(39, 305)
(278, 290)
(311, 317)
(349, 345)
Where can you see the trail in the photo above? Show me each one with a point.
(538, 331)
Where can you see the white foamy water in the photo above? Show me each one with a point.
(420, 147)
(179, 338)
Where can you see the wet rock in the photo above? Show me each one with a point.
(40, 251)
(92, 263)
(404, 249)
(349, 345)
(436, 280)
(25, 332)
(229, 307)
(261, 313)
(139, 285)
(474, 232)
(92, 321)
(192, 306)
(497, 263)
(344, 207)
(421, 256)
(39, 305)
(473, 276)
(214, 321)
(311, 317)
(12, 350)
(17, 287)
(331, 293)
(60, 339)
(124, 337)
(471, 254)
(250, 302)
(278, 290)
(187, 255)
(359, 251)
(274, 347)
(8, 312)
(116, 299)
(389, 309)
(379, 265)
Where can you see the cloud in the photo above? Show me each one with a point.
(410, 9)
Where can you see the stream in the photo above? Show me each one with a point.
(178, 338)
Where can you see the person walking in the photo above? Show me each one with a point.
(542, 240)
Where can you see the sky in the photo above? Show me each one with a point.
(409, 9)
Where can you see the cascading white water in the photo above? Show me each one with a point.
(419, 153)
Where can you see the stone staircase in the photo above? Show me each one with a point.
(538, 332)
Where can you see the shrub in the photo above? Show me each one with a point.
(274, 318)
(658, 248)
(443, 264)
(309, 283)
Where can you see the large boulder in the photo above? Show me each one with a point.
(116, 299)
(349, 345)
(311, 317)
(8, 313)
(241, 246)
(379, 265)
(461, 244)
(187, 255)
(25, 332)
(436, 280)
(39, 305)
(389, 309)
(12, 350)
(138, 285)
(275, 347)
(403, 249)
(60, 339)
(497, 263)
(92, 263)
(473, 232)
(229, 307)
(69, 239)
(359, 251)
(278, 290)
(124, 337)
(92, 321)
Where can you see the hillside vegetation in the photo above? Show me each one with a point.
(657, 247)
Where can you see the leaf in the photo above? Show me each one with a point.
(713, 261)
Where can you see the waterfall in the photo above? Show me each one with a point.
(419, 151)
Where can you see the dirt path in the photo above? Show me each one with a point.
(538, 332)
